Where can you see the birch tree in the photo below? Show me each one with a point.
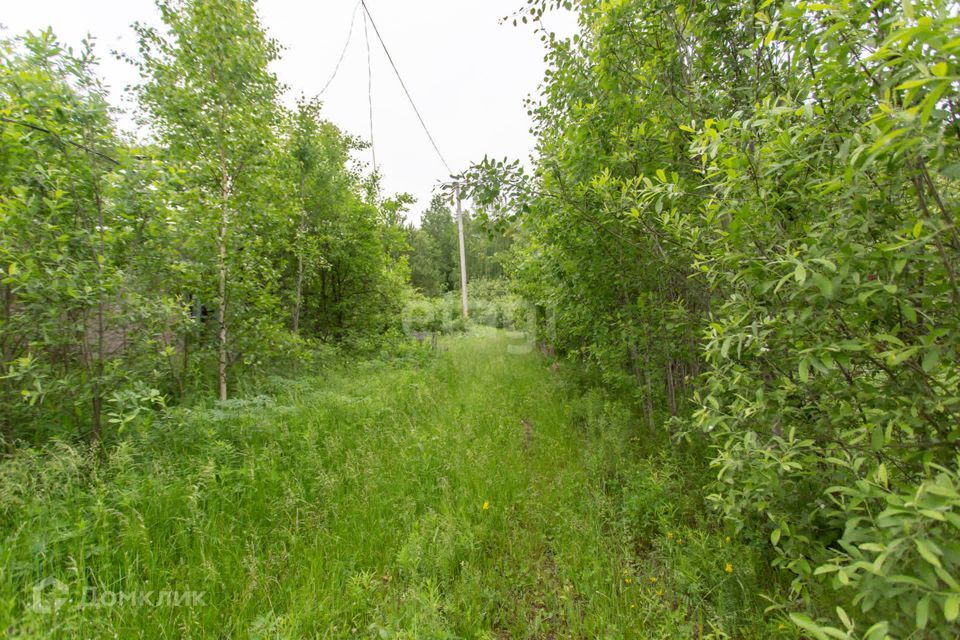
(212, 100)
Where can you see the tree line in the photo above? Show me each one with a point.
(744, 214)
(233, 234)
(434, 249)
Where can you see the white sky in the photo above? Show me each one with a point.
(468, 73)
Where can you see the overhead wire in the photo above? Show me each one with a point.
(61, 140)
(402, 84)
(367, 17)
(366, 33)
(343, 52)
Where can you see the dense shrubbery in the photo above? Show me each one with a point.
(422, 316)
(745, 213)
(236, 241)
(492, 303)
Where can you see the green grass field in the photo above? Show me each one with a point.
(463, 493)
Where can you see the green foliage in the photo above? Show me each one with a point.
(350, 503)
(744, 214)
(493, 303)
(348, 274)
(435, 252)
(742, 220)
(78, 317)
(237, 240)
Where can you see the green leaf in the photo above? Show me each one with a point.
(931, 359)
(940, 490)
(800, 273)
(913, 84)
(725, 347)
(903, 355)
(923, 612)
(887, 138)
(877, 631)
(877, 440)
(771, 34)
(844, 618)
(927, 552)
(949, 579)
(775, 536)
(824, 284)
(939, 69)
(804, 622)
(951, 607)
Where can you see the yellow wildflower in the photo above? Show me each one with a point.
(626, 580)
(728, 568)
(486, 505)
(653, 579)
(670, 535)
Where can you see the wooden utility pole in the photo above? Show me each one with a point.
(463, 255)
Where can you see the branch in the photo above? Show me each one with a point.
(62, 141)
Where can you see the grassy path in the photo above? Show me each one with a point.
(463, 495)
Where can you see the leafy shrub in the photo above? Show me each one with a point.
(744, 214)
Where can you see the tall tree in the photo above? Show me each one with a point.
(212, 100)
(438, 223)
(57, 135)
(305, 151)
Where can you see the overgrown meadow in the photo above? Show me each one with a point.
(708, 387)
(465, 492)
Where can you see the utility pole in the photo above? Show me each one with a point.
(463, 255)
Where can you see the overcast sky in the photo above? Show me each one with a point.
(468, 73)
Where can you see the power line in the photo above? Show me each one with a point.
(63, 141)
(404, 85)
(366, 33)
(343, 52)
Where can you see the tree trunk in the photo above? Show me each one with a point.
(671, 388)
(648, 396)
(299, 294)
(299, 249)
(7, 337)
(222, 273)
(97, 417)
(181, 377)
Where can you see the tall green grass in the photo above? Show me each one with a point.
(465, 493)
